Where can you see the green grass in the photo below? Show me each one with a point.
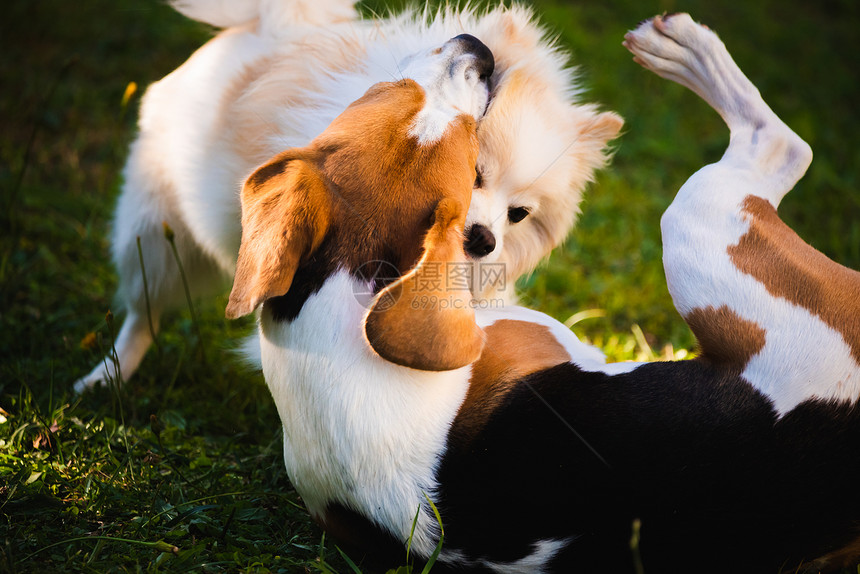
(96, 484)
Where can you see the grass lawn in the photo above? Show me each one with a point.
(182, 469)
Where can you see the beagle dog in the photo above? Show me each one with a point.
(538, 456)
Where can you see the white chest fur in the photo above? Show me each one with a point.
(357, 430)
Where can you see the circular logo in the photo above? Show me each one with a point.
(373, 277)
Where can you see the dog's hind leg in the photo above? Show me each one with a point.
(758, 298)
(144, 206)
(762, 150)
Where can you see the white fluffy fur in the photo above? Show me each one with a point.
(358, 430)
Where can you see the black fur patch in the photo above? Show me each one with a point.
(696, 454)
(357, 535)
(309, 279)
(322, 264)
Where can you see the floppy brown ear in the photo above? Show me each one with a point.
(285, 215)
(425, 319)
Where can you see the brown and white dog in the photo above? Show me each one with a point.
(278, 74)
(537, 455)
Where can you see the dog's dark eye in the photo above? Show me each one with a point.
(479, 179)
(517, 214)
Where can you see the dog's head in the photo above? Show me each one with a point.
(388, 183)
(539, 148)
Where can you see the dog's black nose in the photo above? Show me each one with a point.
(480, 241)
(484, 60)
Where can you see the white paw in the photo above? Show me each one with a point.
(670, 43)
(678, 49)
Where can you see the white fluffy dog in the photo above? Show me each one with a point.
(274, 78)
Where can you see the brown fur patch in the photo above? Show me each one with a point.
(513, 349)
(725, 337)
(791, 269)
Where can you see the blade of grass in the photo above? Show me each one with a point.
(146, 298)
(171, 239)
(349, 562)
(643, 344)
(220, 494)
(116, 386)
(412, 534)
(12, 197)
(321, 557)
(432, 560)
(159, 545)
(634, 546)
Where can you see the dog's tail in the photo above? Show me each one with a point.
(273, 15)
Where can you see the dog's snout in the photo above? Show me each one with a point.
(480, 241)
(485, 63)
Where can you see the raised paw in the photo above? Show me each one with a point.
(678, 49)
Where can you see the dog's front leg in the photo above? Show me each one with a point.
(759, 299)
